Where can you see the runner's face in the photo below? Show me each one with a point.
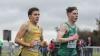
(35, 16)
(73, 16)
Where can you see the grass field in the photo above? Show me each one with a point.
(5, 52)
(96, 52)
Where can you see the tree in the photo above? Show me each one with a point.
(98, 23)
(83, 34)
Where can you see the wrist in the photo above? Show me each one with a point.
(66, 39)
(27, 44)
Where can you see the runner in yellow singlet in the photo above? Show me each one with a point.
(31, 33)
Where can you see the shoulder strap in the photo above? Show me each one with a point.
(71, 27)
(68, 25)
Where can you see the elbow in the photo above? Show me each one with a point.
(16, 41)
(59, 40)
(59, 37)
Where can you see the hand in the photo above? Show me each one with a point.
(74, 37)
(34, 42)
(31, 45)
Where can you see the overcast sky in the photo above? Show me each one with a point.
(52, 13)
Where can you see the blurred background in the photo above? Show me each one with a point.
(13, 14)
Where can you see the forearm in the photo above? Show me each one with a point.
(41, 38)
(20, 42)
(74, 37)
(19, 37)
(62, 40)
(60, 37)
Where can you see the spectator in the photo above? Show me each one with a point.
(89, 43)
(1, 44)
(52, 48)
(80, 44)
(43, 48)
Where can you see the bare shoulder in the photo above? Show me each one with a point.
(24, 26)
(63, 26)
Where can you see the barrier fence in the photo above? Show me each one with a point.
(89, 51)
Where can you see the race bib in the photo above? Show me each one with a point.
(36, 46)
(71, 44)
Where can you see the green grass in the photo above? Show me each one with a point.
(5, 53)
(96, 54)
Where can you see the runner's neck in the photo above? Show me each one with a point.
(70, 23)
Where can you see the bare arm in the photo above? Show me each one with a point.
(20, 36)
(41, 38)
(62, 31)
(74, 37)
(60, 34)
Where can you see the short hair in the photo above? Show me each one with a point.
(70, 9)
(31, 10)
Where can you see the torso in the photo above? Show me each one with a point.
(71, 30)
(33, 33)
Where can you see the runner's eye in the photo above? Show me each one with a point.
(36, 14)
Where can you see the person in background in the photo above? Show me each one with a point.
(1, 44)
(52, 48)
(89, 43)
(43, 48)
(81, 43)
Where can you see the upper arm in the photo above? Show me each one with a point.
(62, 31)
(41, 38)
(21, 32)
